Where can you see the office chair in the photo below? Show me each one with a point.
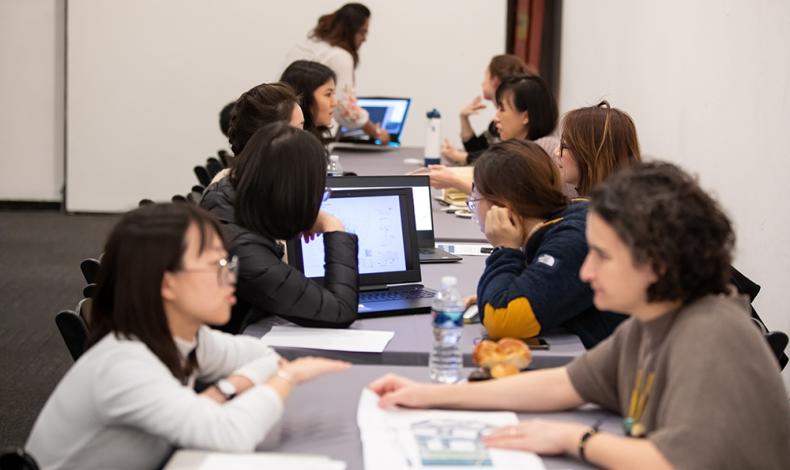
(178, 198)
(195, 197)
(224, 157)
(73, 330)
(777, 340)
(213, 166)
(15, 458)
(145, 202)
(88, 290)
(84, 309)
(90, 269)
(198, 188)
(202, 175)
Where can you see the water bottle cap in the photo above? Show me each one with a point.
(434, 113)
(449, 281)
(334, 158)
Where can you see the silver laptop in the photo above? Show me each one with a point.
(389, 267)
(389, 113)
(423, 211)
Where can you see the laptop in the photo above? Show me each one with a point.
(423, 213)
(389, 267)
(389, 113)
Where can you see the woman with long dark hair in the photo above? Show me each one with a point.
(165, 275)
(335, 42)
(315, 84)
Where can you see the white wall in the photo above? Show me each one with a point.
(146, 79)
(31, 99)
(708, 85)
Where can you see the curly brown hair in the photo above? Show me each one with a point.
(670, 223)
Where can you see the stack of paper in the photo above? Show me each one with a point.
(326, 338)
(436, 439)
(201, 460)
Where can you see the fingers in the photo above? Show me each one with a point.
(386, 384)
(469, 301)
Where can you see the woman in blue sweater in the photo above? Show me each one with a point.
(531, 281)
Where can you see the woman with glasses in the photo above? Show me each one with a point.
(694, 381)
(531, 284)
(596, 142)
(274, 194)
(165, 276)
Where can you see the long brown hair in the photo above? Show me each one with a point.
(258, 106)
(146, 243)
(506, 65)
(603, 140)
(340, 27)
(519, 174)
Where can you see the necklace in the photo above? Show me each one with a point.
(632, 424)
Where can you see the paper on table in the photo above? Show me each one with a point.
(201, 460)
(325, 338)
(434, 439)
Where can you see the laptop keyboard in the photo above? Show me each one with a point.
(404, 294)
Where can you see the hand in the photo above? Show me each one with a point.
(503, 228)
(325, 222)
(469, 301)
(443, 177)
(382, 135)
(473, 107)
(539, 436)
(305, 369)
(452, 154)
(348, 106)
(395, 390)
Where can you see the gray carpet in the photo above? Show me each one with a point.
(40, 252)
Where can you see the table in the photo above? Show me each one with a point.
(446, 227)
(320, 418)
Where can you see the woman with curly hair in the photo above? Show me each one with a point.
(693, 378)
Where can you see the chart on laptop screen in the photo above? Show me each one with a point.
(376, 220)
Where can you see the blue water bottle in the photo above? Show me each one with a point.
(446, 360)
(433, 150)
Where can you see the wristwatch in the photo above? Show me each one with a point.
(226, 388)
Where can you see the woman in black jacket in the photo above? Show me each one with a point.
(273, 193)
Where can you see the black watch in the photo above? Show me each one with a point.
(226, 388)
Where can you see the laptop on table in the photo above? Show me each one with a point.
(389, 113)
(389, 267)
(423, 211)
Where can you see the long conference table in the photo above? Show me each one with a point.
(413, 340)
(320, 416)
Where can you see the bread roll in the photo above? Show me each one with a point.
(507, 351)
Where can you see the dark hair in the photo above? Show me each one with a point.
(668, 222)
(519, 174)
(603, 140)
(143, 245)
(340, 27)
(260, 105)
(224, 117)
(280, 179)
(305, 77)
(531, 94)
(506, 65)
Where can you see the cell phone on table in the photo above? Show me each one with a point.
(536, 343)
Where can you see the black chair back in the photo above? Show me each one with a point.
(74, 332)
(89, 290)
(202, 175)
(90, 269)
(17, 459)
(213, 166)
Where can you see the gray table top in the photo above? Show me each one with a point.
(399, 162)
(320, 417)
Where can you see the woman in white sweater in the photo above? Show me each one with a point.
(335, 42)
(130, 397)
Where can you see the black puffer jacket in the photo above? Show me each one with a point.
(267, 286)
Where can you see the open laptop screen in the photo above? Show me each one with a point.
(419, 184)
(389, 113)
(383, 220)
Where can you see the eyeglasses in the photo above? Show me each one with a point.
(227, 270)
(473, 202)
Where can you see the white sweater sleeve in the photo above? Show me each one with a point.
(133, 388)
(219, 354)
(341, 62)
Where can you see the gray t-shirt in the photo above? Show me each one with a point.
(718, 400)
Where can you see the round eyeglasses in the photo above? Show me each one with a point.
(227, 270)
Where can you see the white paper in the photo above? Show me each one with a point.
(327, 338)
(201, 460)
(434, 439)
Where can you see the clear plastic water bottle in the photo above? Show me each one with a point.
(446, 360)
(433, 154)
(334, 168)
